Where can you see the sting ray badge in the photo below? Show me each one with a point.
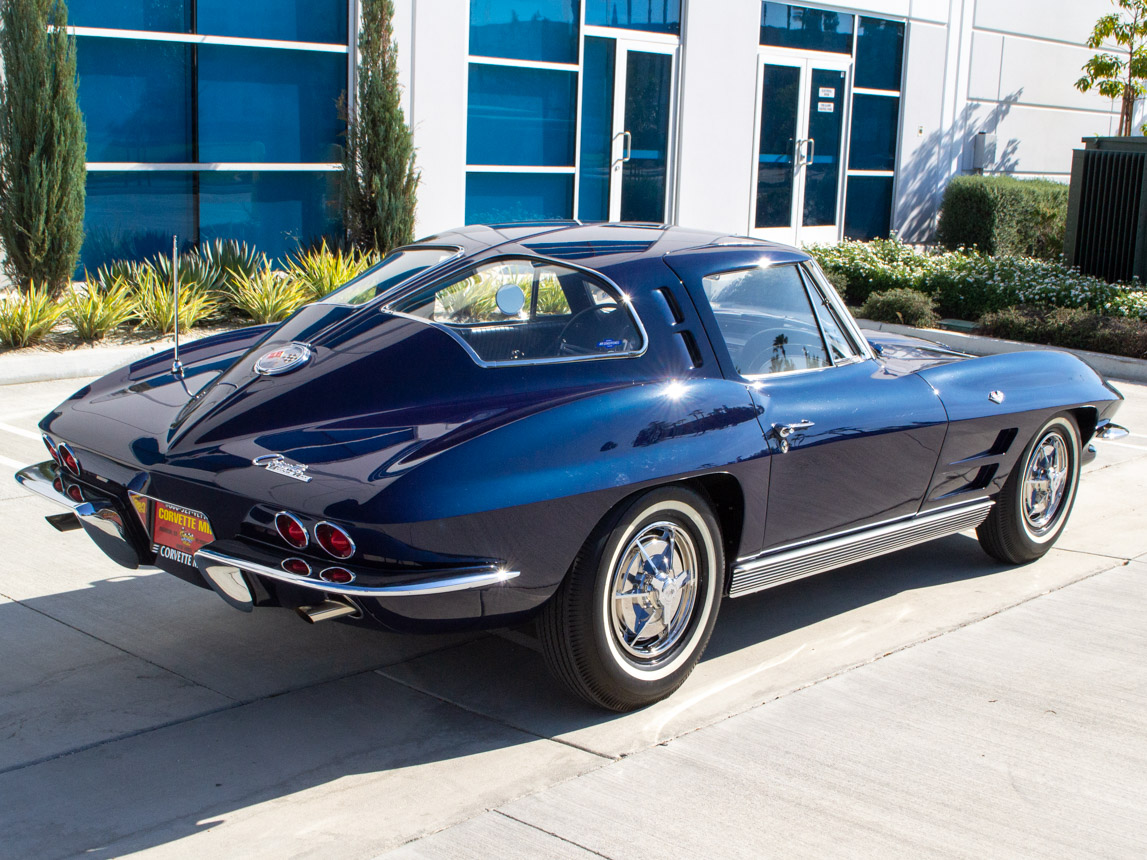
(280, 465)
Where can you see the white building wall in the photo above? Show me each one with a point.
(1009, 69)
(716, 154)
(434, 43)
(1001, 66)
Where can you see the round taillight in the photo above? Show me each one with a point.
(68, 458)
(51, 446)
(75, 494)
(337, 575)
(334, 540)
(296, 566)
(291, 530)
(58, 485)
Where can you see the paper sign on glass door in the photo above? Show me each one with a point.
(825, 107)
(828, 92)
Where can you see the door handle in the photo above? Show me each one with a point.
(784, 431)
(626, 146)
(810, 152)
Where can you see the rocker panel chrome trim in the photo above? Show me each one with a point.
(787, 565)
(462, 581)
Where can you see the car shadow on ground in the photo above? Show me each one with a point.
(473, 714)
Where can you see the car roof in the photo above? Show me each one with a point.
(595, 246)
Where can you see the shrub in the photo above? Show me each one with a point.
(265, 296)
(908, 307)
(1004, 215)
(969, 284)
(42, 149)
(155, 307)
(98, 307)
(320, 271)
(26, 319)
(1075, 328)
(231, 258)
(379, 179)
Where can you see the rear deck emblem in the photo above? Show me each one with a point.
(996, 397)
(280, 465)
(283, 359)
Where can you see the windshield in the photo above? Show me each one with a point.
(397, 268)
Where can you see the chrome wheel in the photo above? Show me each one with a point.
(1046, 478)
(654, 588)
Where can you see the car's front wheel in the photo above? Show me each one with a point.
(636, 609)
(1036, 500)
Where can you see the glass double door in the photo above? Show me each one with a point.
(799, 170)
(626, 133)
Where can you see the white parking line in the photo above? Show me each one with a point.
(1122, 445)
(19, 431)
(12, 464)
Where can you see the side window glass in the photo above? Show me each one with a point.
(525, 311)
(766, 319)
(839, 347)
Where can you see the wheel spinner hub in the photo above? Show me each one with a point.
(1045, 481)
(654, 588)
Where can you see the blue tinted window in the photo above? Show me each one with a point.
(868, 213)
(288, 20)
(521, 116)
(784, 26)
(875, 120)
(524, 29)
(879, 54)
(596, 129)
(496, 198)
(658, 16)
(273, 210)
(169, 16)
(269, 105)
(136, 99)
(134, 215)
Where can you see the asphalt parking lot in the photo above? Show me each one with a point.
(930, 703)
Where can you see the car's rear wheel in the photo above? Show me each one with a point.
(1037, 498)
(637, 607)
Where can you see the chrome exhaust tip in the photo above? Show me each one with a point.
(328, 609)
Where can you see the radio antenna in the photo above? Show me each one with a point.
(176, 365)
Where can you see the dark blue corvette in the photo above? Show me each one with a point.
(610, 428)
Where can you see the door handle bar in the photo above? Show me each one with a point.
(784, 431)
(626, 146)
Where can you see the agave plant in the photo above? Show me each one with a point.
(194, 271)
(320, 271)
(27, 318)
(231, 258)
(155, 307)
(265, 296)
(123, 271)
(99, 306)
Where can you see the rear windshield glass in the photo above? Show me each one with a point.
(395, 269)
(529, 310)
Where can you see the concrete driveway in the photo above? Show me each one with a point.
(930, 702)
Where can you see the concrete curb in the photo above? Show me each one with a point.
(1111, 366)
(73, 364)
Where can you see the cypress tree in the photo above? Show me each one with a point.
(379, 179)
(42, 145)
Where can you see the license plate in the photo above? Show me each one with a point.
(178, 533)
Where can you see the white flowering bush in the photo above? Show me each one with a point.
(968, 284)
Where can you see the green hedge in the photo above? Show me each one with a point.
(967, 285)
(1076, 328)
(1003, 215)
(902, 305)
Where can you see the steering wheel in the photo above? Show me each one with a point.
(566, 348)
(757, 353)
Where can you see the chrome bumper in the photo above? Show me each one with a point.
(98, 516)
(232, 558)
